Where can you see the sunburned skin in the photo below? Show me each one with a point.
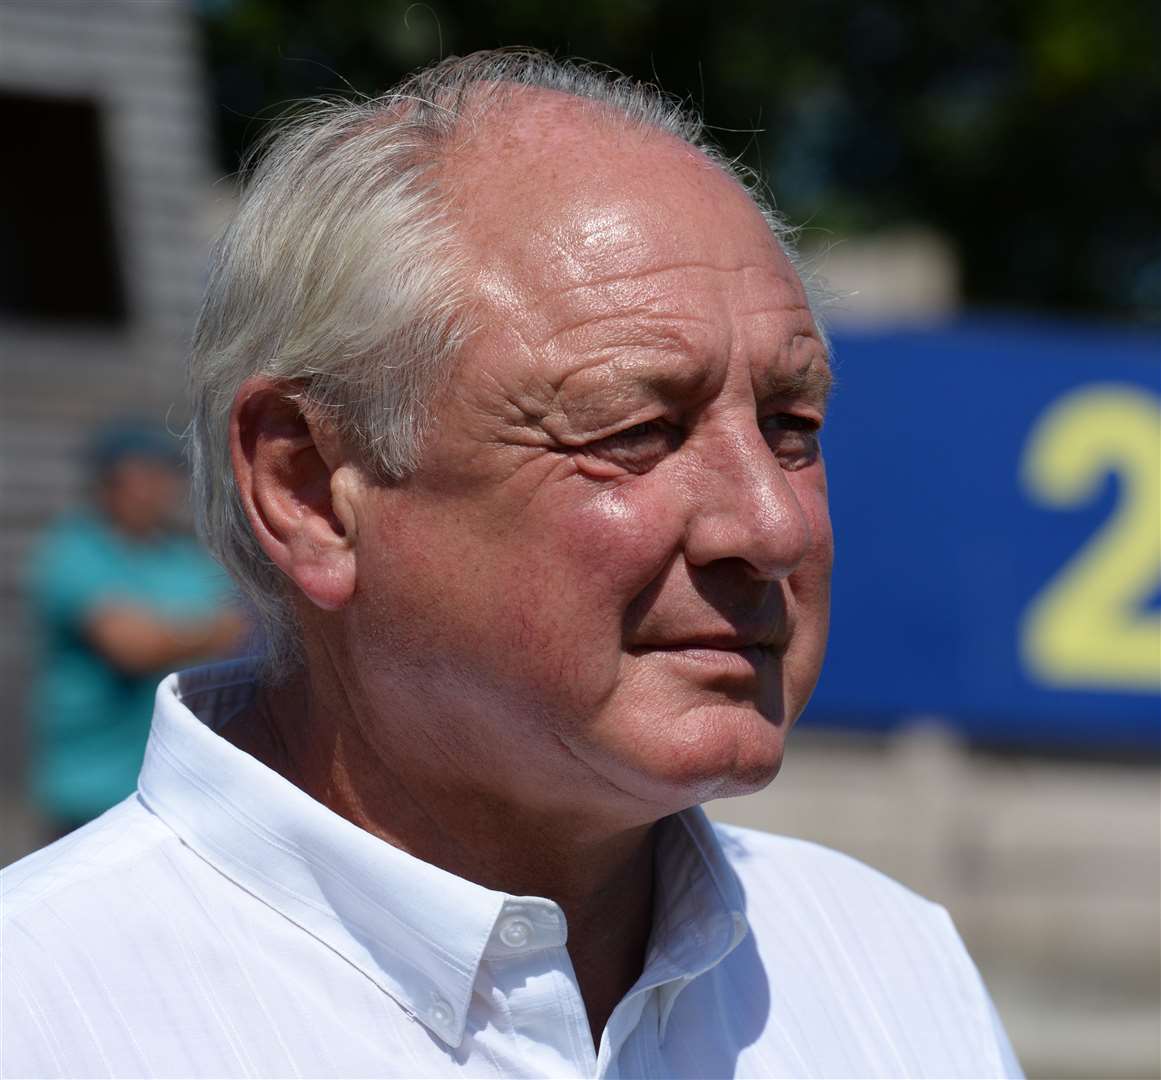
(600, 408)
(602, 597)
(632, 368)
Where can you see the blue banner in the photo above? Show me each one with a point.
(996, 496)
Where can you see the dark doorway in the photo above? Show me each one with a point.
(58, 251)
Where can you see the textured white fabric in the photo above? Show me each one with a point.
(222, 923)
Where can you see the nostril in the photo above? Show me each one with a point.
(770, 543)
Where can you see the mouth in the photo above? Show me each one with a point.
(740, 659)
(741, 669)
(773, 644)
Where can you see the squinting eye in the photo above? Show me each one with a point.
(637, 449)
(794, 440)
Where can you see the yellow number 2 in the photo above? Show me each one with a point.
(1087, 627)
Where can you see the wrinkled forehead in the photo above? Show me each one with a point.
(551, 187)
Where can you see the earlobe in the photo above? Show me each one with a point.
(286, 466)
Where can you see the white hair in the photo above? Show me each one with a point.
(340, 278)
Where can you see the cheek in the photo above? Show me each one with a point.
(621, 540)
(573, 578)
(810, 588)
(814, 570)
(819, 560)
(536, 606)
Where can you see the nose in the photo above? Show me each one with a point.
(746, 509)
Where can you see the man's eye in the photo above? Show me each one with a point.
(639, 448)
(794, 440)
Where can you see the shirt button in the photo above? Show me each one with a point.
(440, 1013)
(515, 931)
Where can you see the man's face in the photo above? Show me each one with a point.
(141, 494)
(607, 584)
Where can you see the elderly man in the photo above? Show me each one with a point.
(508, 410)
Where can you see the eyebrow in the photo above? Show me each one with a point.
(679, 374)
(812, 382)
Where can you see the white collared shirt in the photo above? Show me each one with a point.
(223, 923)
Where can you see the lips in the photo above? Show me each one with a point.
(774, 641)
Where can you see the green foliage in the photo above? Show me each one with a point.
(1026, 132)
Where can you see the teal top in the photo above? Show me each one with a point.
(90, 720)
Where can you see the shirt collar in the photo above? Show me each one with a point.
(699, 908)
(418, 932)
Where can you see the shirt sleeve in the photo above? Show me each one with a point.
(69, 577)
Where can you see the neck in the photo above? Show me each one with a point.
(601, 876)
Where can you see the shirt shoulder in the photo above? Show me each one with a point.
(106, 935)
(100, 853)
(186, 573)
(835, 893)
(71, 567)
(866, 953)
(755, 856)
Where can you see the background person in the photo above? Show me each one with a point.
(120, 595)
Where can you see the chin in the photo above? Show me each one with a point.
(727, 750)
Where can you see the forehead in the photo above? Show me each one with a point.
(586, 235)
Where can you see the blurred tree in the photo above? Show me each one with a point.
(1027, 133)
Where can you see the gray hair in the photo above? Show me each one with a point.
(340, 278)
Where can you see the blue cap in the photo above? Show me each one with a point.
(132, 438)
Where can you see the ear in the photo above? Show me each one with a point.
(298, 489)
